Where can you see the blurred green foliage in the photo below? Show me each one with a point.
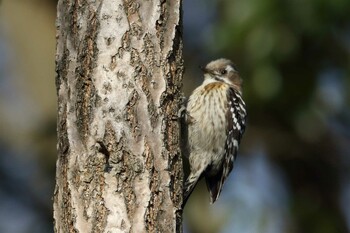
(282, 46)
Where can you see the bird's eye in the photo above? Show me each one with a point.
(223, 71)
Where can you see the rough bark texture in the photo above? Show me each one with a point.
(119, 69)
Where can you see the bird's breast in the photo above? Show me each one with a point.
(207, 109)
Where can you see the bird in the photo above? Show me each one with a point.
(216, 120)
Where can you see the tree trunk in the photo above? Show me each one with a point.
(119, 71)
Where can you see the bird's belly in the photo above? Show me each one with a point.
(208, 130)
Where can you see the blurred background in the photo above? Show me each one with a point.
(293, 171)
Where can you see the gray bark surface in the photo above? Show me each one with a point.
(119, 71)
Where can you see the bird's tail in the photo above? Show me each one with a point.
(214, 186)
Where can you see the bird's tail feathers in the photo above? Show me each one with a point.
(214, 186)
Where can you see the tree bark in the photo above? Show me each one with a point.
(119, 70)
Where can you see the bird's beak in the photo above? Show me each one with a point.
(205, 71)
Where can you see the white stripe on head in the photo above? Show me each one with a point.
(230, 68)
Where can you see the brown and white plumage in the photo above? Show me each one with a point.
(216, 122)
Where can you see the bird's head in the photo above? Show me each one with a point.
(223, 70)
